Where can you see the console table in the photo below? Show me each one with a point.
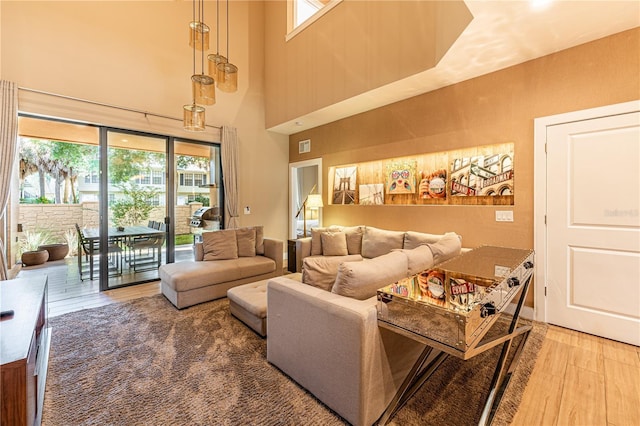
(24, 349)
(453, 309)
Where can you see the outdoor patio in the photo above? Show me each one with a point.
(64, 279)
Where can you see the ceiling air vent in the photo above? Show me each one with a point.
(304, 146)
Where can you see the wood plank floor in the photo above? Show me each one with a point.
(578, 379)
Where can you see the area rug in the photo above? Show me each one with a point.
(145, 363)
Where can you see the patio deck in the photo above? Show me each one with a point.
(65, 284)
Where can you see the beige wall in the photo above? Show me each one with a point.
(355, 47)
(495, 108)
(136, 55)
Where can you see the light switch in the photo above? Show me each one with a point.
(247, 210)
(504, 215)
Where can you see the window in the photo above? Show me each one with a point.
(91, 177)
(188, 179)
(155, 200)
(157, 177)
(198, 179)
(302, 13)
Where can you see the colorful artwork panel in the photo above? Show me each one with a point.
(401, 177)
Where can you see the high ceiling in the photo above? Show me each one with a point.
(501, 34)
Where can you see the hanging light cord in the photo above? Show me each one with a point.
(228, 56)
(201, 20)
(194, 44)
(218, 27)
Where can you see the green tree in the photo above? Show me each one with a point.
(74, 159)
(125, 164)
(135, 208)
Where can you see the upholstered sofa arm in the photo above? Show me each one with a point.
(274, 249)
(332, 346)
(303, 249)
(198, 252)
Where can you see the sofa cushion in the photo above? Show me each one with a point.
(316, 239)
(414, 239)
(418, 259)
(354, 238)
(376, 242)
(259, 239)
(334, 244)
(360, 280)
(321, 271)
(246, 242)
(220, 245)
(447, 247)
(183, 276)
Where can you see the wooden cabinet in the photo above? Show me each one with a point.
(24, 350)
(291, 256)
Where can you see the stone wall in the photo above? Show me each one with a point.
(58, 218)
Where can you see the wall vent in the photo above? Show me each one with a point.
(304, 146)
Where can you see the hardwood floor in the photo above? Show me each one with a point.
(578, 379)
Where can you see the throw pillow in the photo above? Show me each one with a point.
(360, 280)
(418, 259)
(334, 244)
(320, 271)
(376, 242)
(354, 239)
(316, 240)
(220, 245)
(414, 239)
(259, 239)
(447, 247)
(246, 242)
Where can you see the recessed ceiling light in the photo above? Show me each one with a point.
(298, 123)
(125, 140)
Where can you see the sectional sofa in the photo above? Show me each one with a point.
(223, 260)
(322, 327)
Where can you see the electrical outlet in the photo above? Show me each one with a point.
(504, 215)
(247, 210)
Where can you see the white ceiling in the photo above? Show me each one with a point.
(501, 34)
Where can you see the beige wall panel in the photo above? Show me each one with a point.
(355, 47)
(491, 109)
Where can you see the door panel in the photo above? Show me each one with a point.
(593, 226)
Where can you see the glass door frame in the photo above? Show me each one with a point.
(103, 205)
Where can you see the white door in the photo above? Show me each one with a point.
(593, 226)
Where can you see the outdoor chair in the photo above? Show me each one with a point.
(91, 251)
(146, 251)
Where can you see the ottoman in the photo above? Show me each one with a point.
(248, 303)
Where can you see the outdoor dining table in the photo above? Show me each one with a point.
(92, 235)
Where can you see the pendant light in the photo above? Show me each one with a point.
(227, 77)
(215, 59)
(193, 118)
(201, 85)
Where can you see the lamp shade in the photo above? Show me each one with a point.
(227, 80)
(204, 89)
(199, 35)
(193, 119)
(214, 59)
(314, 201)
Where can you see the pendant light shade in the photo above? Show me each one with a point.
(199, 35)
(227, 77)
(193, 119)
(214, 60)
(204, 89)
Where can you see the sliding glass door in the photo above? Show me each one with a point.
(135, 235)
(124, 202)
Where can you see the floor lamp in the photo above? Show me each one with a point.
(313, 201)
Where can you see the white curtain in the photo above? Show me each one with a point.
(8, 147)
(230, 175)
